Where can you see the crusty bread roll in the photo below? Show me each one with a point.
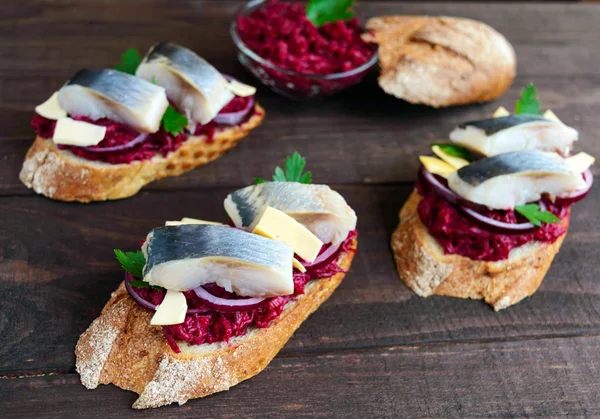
(61, 175)
(423, 266)
(441, 61)
(121, 347)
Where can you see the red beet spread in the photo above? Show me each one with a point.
(459, 236)
(281, 33)
(214, 326)
(160, 142)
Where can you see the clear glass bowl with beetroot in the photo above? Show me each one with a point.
(293, 57)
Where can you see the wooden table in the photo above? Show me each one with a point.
(374, 349)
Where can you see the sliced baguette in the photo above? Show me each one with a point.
(121, 347)
(61, 175)
(423, 266)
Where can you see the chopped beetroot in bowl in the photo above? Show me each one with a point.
(288, 53)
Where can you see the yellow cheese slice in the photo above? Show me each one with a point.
(437, 166)
(51, 108)
(187, 220)
(241, 89)
(79, 133)
(500, 112)
(551, 116)
(298, 265)
(278, 225)
(453, 161)
(171, 311)
(580, 162)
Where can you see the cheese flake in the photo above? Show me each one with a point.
(580, 162)
(78, 133)
(187, 220)
(551, 116)
(278, 225)
(436, 166)
(241, 89)
(500, 112)
(172, 310)
(453, 161)
(51, 108)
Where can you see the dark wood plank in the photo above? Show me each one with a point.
(552, 377)
(361, 135)
(57, 270)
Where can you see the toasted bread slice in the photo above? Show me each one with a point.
(61, 175)
(121, 347)
(441, 61)
(424, 267)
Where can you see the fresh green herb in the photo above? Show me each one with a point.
(153, 80)
(173, 122)
(144, 284)
(294, 166)
(529, 103)
(130, 61)
(132, 262)
(320, 12)
(455, 151)
(535, 216)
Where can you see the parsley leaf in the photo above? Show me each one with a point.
(173, 122)
(455, 151)
(144, 284)
(320, 12)
(535, 216)
(132, 262)
(258, 180)
(130, 60)
(529, 103)
(294, 166)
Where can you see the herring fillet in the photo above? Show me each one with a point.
(117, 96)
(516, 178)
(192, 84)
(185, 257)
(319, 208)
(514, 133)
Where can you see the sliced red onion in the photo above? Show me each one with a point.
(579, 194)
(147, 304)
(499, 226)
(137, 140)
(323, 257)
(437, 186)
(234, 118)
(228, 305)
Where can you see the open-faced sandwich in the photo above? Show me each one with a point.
(491, 209)
(107, 133)
(205, 305)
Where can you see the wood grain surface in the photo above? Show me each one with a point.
(374, 349)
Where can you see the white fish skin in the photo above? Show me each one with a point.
(185, 257)
(117, 96)
(192, 84)
(319, 208)
(516, 178)
(514, 133)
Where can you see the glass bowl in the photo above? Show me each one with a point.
(290, 83)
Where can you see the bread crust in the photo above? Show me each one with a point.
(120, 347)
(423, 266)
(61, 175)
(441, 61)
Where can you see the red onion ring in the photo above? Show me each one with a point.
(499, 226)
(228, 305)
(437, 186)
(323, 257)
(147, 304)
(579, 194)
(137, 140)
(234, 118)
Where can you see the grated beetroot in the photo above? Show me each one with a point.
(281, 33)
(458, 235)
(214, 326)
(159, 143)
